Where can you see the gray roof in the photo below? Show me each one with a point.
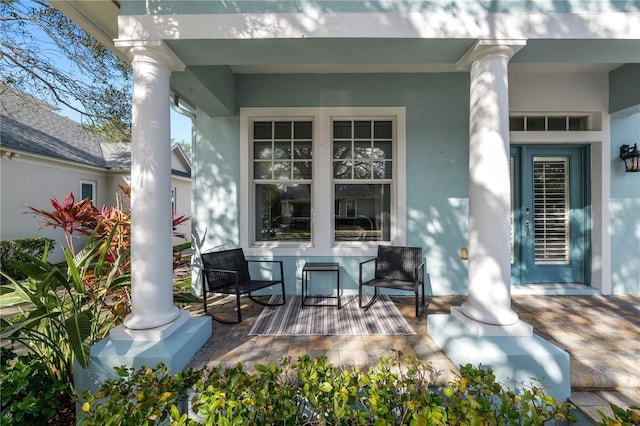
(117, 155)
(30, 125)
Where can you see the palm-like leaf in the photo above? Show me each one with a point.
(39, 270)
(78, 327)
(29, 322)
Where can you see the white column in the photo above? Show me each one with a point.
(489, 300)
(151, 227)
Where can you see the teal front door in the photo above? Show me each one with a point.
(549, 219)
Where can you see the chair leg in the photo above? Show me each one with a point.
(371, 302)
(204, 302)
(420, 307)
(222, 320)
(266, 303)
(218, 319)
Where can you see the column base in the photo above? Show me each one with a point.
(135, 321)
(498, 316)
(519, 328)
(155, 334)
(175, 350)
(515, 360)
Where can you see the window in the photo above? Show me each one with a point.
(88, 190)
(363, 172)
(329, 181)
(282, 176)
(541, 123)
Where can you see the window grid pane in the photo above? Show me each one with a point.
(276, 147)
(559, 122)
(357, 143)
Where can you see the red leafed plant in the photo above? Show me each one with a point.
(81, 217)
(111, 225)
(86, 219)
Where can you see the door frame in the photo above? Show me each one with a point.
(521, 153)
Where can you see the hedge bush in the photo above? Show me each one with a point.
(29, 395)
(315, 392)
(11, 250)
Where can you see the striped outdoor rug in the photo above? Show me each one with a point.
(383, 318)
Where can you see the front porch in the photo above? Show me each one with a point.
(601, 334)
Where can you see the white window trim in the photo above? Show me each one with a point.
(322, 204)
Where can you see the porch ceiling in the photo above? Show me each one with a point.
(211, 64)
(401, 55)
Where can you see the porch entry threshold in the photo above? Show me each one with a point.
(557, 289)
(382, 318)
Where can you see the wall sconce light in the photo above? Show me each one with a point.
(631, 157)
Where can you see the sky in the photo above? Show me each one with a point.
(180, 125)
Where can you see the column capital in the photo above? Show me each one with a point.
(155, 51)
(490, 48)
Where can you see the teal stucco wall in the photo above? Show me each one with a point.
(436, 168)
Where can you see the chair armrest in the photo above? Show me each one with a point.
(361, 265)
(224, 271)
(367, 261)
(270, 261)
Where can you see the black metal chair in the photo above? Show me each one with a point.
(398, 268)
(227, 272)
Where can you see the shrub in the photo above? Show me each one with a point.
(12, 250)
(138, 397)
(314, 392)
(70, 308)
(621, 416)
(28, 393)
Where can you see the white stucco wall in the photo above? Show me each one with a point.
(27, 180)
(30, 181)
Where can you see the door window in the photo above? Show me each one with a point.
(551, 210)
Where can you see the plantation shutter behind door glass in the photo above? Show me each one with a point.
(551, 209)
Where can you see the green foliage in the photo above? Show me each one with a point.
(621, 416)
(28, 394)
(45, 54)
(475, 395)
(138, 397)
(315, 392)
(12, 250)
(70, 308)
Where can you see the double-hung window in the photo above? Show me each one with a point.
(362, 179)
(329, 181)
(282, 177)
